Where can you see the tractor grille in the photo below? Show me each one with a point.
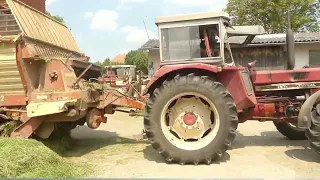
(247, 82)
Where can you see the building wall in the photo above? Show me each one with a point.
(153, 62)
(268, 57)
(302, 53)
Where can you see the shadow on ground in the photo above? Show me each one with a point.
(306, 154)
(299, 149)
(86, 140)
(267, 138)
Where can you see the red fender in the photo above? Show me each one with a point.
(169, 68)
(230, 77)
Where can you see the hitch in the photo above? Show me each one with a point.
(307, 112)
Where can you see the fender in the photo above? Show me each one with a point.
(305, 115)
(169, 68)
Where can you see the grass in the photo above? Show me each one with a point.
(7, 128)
(109, 152)
(27, 158)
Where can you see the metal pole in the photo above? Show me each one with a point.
(145, 28)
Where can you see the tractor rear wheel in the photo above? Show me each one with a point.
(313, 132)
(191, 119)
(290, 130)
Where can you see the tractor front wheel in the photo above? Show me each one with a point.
(313, 132)
(290, 130)
(191, 119)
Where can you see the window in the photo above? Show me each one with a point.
(186, 43)
(314, 58)
(120, 71)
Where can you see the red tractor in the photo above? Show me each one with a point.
(199, 95)
(120, 76)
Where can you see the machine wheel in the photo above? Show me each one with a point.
(313, 133)
(191, 119)
(291, 131)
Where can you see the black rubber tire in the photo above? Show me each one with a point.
(313, 135)
(292, 134)
(214, 91)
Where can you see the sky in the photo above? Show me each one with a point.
(105, 28)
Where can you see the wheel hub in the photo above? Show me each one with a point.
(190, 119)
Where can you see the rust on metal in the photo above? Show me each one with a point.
(83, 73)
(94, 118)
(27, 128)
(12, 100)
(45, 130)
(116, 99)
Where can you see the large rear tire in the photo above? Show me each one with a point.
(291, 131)
(313, 134)
(191, 119)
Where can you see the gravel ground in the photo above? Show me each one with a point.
(259, 151)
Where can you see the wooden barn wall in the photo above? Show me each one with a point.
(268, 58)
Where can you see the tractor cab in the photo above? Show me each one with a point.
(200, 38)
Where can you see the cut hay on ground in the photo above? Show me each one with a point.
(25, 158)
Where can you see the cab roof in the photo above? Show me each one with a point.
(194, 16)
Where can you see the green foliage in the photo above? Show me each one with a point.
(58, 18)
(273, 15)
(7, 128)
(139, 59)
(25, 158)
(107, 62)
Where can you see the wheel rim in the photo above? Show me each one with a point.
(190, 121)
(295, 127)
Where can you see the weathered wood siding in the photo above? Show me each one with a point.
(10, 81)
(268, 58)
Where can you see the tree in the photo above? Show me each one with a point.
(58, 18)
(139, 59)
(107, 62)
(273, 14)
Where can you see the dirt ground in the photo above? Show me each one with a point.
(259, 151)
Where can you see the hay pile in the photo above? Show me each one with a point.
(24, 158)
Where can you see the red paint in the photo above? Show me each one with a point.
(231, 78)
(54, 66)
(189, 119)
(264, 110)
(13, 100)
(20, 52)
(169, 68)
(208, 48)
(285, 76)
(273, 109)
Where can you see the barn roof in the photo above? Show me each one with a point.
(45, 36)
